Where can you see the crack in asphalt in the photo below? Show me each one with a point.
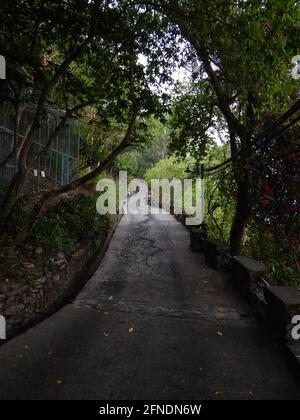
(139, 248)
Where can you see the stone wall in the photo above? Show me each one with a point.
(275, 306)
(23, 305)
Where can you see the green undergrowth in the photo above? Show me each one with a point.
(59, 231)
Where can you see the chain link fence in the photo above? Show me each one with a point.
(61, 162)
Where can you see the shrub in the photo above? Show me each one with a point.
(74, 220)
(16, 222)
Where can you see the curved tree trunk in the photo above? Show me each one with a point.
(39, 206)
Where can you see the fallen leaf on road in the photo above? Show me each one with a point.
(26, 347)
(218, 393)
(110, 298)
(220, 309)
(220, 333)
(59, 382)
(106, 334)
(130, 330)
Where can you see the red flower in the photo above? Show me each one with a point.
(295, 156)
(268, 191)
(292, 208)
(265, 202)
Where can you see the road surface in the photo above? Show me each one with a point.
(154, 322)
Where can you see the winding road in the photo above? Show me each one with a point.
(154, 322)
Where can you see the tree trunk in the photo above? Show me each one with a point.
(39, 206)
(19, 179)
(12, 197)
(241, 217)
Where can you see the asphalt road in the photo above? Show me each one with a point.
(154, 322)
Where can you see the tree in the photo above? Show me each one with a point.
(84, 56)
(40, 41)
(244, 51)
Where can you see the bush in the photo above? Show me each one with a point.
(278, 253)
(50, 233)
(74, 220)
(16, 222)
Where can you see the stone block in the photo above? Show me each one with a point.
(197, 238)
(283, 303)
(214, 252)
(294, 354)
(14, 310)
(246, 274)
(4, 288)
(180, 218)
